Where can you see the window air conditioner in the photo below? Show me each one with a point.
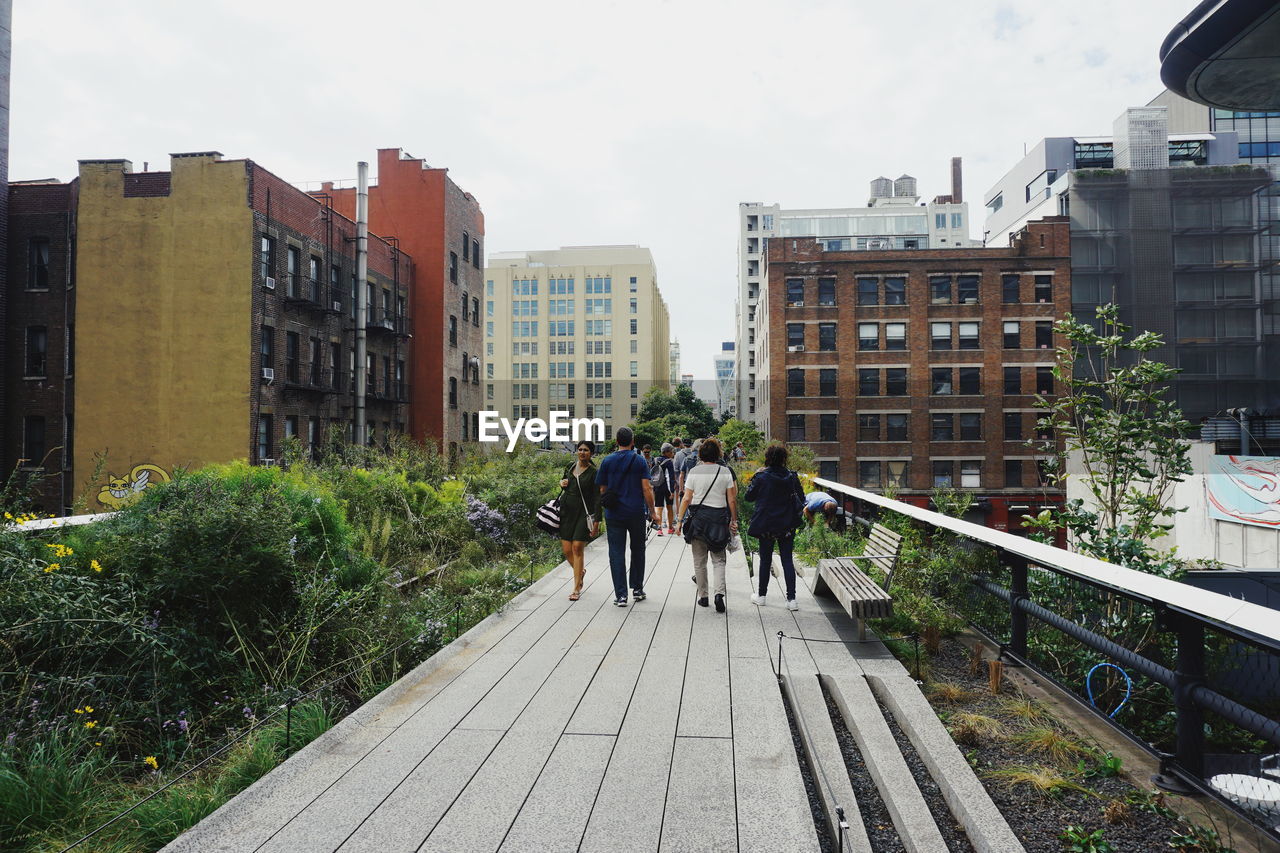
(268, 374)
(796, 348)
(271, 283)
(337, 305)
(268, 463)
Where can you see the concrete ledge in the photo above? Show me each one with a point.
(966, 797)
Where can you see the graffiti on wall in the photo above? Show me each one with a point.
(120, 492)
(1245, 489)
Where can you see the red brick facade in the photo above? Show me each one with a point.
(853, 341)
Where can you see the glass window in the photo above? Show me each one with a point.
(1013, 426)
(940, 290)
(1012, 474)
(940, 335)
(942, 427)
(970, 426)
(970, 474)
(828, 469)
(970, 380)
(1044, 334)
(895, 382)
(1044, 288)
(795, 334)
(795, 428)
(37, 361)
(868, 291)
(795, 382)
(1012, 335)
(896, 472)
(957, 220)
(1013, 380)
(868, 336)
(868, 382)
(895, 427)
(827, 382)
(968, 335)
(795, 291)
(940, 381)
(868, 427)
(33, 441)
(826, 427)
(827, 337)
(264, 437)
(895, 291)
(869, 475)
(942, 473)
(267, 258)
(1044, 380)
(939, 220)
(826, 291)
(895, 336)
(1009, 288)
(38, 263)
(967, 289)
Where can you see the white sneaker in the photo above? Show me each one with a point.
(757, 600)
(792, 604)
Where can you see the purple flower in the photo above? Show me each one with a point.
(486, 521)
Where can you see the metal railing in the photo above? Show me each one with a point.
(1201, 671)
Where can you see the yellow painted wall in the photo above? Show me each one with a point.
(163, 313)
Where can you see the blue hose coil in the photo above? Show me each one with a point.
(1128, 689)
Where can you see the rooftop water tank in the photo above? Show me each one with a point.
(882, 187)
(905, 186)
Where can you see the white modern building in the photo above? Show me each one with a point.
(894, 218)
(726, 388)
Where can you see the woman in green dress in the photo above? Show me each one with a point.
(579, 513)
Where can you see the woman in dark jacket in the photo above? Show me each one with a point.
(777, 494)
(579, 513)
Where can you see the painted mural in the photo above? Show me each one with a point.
(120, 492)
(1245, 489)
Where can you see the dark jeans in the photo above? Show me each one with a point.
(617, 530)
(785, 546)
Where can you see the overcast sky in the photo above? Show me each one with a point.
(588, 123)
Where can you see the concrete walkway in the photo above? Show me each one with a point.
(559, 725)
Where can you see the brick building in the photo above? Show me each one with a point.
(916, 369)
(442, 228)
(212, 310)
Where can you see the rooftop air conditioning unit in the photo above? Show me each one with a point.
(268, 374)
(270, 283)
(796, 348)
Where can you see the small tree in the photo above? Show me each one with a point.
(733, 431)
(1110, 412)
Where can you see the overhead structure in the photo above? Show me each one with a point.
(1226, 54)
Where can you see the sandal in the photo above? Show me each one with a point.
(573, 596)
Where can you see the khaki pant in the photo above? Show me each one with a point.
(718, 559)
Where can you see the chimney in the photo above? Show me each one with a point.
(956, 191)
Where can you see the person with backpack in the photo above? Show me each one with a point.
(625, 492)
(778, 497)
(711, 499)
(663, 479)
(579, 513)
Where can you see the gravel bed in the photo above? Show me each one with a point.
(825, 842)
(875, 816)
(952, 832)
(1035, 818)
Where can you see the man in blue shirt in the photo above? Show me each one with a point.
(820, 502)
(625, 474)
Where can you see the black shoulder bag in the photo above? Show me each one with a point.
(709, 524)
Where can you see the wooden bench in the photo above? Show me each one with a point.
(857, 593)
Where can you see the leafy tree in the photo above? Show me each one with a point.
(733, 431)
(1111, 415)
(664, 415)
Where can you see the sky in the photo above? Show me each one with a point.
(579, 123)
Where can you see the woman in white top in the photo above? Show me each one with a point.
(710, 488)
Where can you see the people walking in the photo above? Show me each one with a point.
(710, 489)
(579, 513)
(777, 494)
(739, 452)
(627, 498)
(663, 479)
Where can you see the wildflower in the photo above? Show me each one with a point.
(90, 724)
(95, 565)
(151, 762)
(52, 567)
(88, 709)
(97, 743)
(79, 710)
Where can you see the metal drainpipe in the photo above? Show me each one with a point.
(362, 284)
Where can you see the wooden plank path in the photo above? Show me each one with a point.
(574, 726)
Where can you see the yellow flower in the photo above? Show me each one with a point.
(95, 565)
(97, 743)
(151, 762)
(9, 516)
(52, 567)
(79, 710)
(88, 709)
(90, 724)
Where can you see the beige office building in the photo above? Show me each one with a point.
(582, 329)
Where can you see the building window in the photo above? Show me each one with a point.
(38, 263)
(869, 475)
(795, 382)
(314, 266)
(942, 427)
(293, 272)
(1044, 288)
(895, 291)
(970, 426)
(795, 428)
(267, 347)
(828, 469)
(967, 289)
(827, 382)
(940, 220)
(868, 427)
(868, 336)
(635, 390)
(267, 258)
(940, 290)
(895, 382)
(826, 337)
(633, 284)
(466, 307)
(868, 382)
(940, 381)
(970, 474)
(1013, 473)
(895, 427)
(896, 472)
(453, 330)
(1013, 426)
(970, 380)
(265, 429)
(1043, 476)
(335, 285)
(33, 443)
(633, 326)
(453, 392)
(635, 368)
(868, 291)
(968, 335)
(475, 310)
(631, 309)
(37, 360)
(453, 267)
(475, 262)
(827, 292)
(827, 427)
(895, 336)
(1013, 380)
(957, 220)
(1044, 334)
(1012, 335)
(290, 426)
(942, 473)
(1044, 381)
(1009, 283)
(291, 361)
(795, 335)
(940, 336)
(466, 256)
(795, 292)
